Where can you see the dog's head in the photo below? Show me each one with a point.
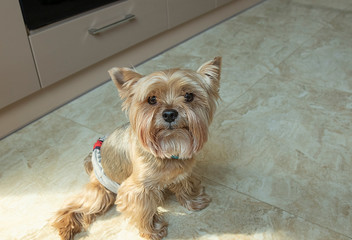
(170, 111)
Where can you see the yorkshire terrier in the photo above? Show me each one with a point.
(169, 113)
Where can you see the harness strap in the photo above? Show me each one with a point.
(98, 168)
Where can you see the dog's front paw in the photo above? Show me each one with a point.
(199, 202)
(159, 229)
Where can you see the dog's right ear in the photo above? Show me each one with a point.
(124, 79)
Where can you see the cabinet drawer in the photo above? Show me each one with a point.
(181, 11)
(68, 47)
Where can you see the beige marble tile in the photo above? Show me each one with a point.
(290, 15)
(342, 24)
(324, 60)
(230, 216)
(39, 166)
(287, 144)
(100, 109)
(234, 216)
(273, 29)
(344, 5)
(270, 29)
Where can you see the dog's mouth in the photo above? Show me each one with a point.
(173, 127)
(174, 141)
(170, 128)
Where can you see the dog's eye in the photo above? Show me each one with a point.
(189, 97)
(152, 100)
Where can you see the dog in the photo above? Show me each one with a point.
(169, 115)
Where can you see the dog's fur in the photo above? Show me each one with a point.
(140, 154)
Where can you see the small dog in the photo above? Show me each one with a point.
(169, 112)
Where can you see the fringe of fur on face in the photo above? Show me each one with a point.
(189, 132)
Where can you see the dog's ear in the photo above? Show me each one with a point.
(210, 72)
(124, 79)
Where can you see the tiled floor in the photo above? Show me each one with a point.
(279, 161)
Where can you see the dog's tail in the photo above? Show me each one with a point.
(82, 209)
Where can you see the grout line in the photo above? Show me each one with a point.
(281, 209)
(250, 87)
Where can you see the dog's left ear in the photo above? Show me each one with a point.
(210, 72)
(124, 79)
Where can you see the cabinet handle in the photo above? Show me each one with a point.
(95, 31)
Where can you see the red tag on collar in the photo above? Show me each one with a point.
(98, 144)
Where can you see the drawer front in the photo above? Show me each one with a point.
(68, 47)
(181, 11)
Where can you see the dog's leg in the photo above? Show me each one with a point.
(190, 193)
(140, 205)
(83, 208)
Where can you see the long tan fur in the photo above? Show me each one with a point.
(141, 154)
(82, 209)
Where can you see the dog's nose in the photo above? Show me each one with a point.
(170, 115)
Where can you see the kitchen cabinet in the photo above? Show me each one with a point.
(69, 47)
(18, 77)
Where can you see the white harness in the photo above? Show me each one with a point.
(98, 168)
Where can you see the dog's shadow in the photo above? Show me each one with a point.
(229, 216)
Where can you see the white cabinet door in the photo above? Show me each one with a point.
(18, 76)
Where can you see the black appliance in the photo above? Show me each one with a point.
(39, 13)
